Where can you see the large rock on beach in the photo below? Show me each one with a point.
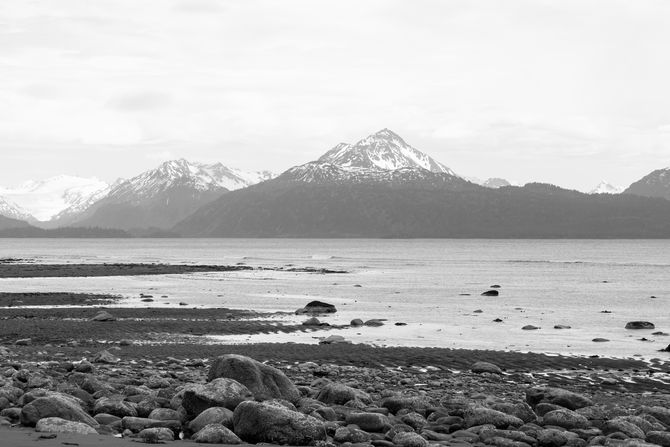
(115, 406)
(216, 434)
(55, 405)
(221, 392)
(274, 423)
(565, 418)
(486, 416)
(485, 367)
(660, 413)
(213, 415)
(339, 394)
(557, 396)
(640, 325)
(58, 425)
(317, 307)
(371, 422)
(264, 381)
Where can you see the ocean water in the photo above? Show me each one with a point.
(433, 286)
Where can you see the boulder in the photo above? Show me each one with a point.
(165, 414)
(138, 424)
(621, 425)
(221, 392)
(312, 322)
(264, 381)
(339, 394)
(317, 307)
(156, 435)
(409, 439)
(216, 434)
(273, 423)
(485, 416)
(485, 367)
(58, 425)
(661, 438)
(660, 413)
(551, 437)
(519, 409)
(55, 405)
(565, 418)
(640, 325)
(371, 422)
(356, 322)
(350, 434)
(105, 356)
(115, 406)
(557, 396)
(213, 415)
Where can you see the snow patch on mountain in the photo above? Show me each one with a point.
(14, 211)
(47, 198)
(606, 188)
(382, 151)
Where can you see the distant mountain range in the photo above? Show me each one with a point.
(348, 192)
(379, 186)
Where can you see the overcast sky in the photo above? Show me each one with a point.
(566, 92)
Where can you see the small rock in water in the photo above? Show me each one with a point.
(530, 327)
(181, 303)
(147, 300)
(661, 333)
(667, 349)
(605, 311)
(600, 340)
(497, 320)
(312, 322)
(356, 322)
(495, 286)
(491, 293)
(562, 326)
(478, 311)
(400, 323)
(640, 325)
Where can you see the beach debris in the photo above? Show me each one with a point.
(264, 381)
(530, 327)
(485, 367)
(103, 316)
(317, 307)
(491, 293)
(640, 325)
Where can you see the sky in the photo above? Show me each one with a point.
(568, 92)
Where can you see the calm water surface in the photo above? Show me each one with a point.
(419, 282)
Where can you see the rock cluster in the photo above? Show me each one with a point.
(242, 400)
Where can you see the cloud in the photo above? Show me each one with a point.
(140, 101)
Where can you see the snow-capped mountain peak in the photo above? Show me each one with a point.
(606, 188)
(382, 151)
(181, 172)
